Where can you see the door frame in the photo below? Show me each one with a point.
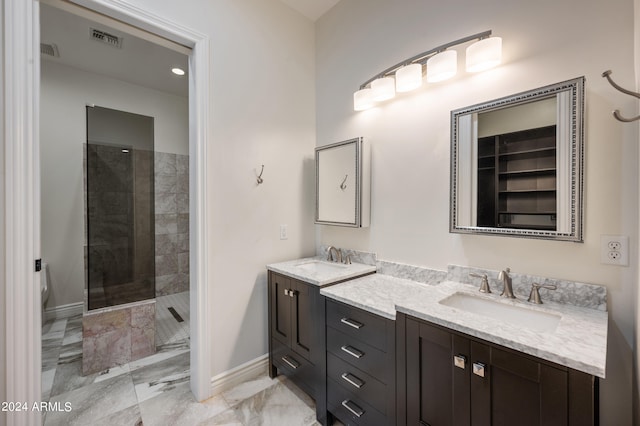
(21, 197)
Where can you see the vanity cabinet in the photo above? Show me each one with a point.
(293, 342)
(449, 378)
(361, 377)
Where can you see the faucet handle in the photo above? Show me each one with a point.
(484, 285)
(534, 296)
(347, 259)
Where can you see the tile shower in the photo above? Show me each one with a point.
(136, 234)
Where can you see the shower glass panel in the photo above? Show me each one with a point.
(120, 208)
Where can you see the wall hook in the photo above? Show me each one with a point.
(343, 185)
(259, 179)
(616, 113)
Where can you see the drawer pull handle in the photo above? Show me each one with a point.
(357, 411)
(293, 364)
(352, 380)
(479, 369)
(352, 351)
(352, 323)
(460, 361)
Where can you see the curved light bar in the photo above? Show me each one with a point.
(441, 64)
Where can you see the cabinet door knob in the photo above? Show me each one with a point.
(352, 351)
(352, 380)
(352, 323)
(293, 364)
(355, 410)
(479, 369)
(286, 291)
(460, 361)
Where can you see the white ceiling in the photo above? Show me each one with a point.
(139, 61)
(312, 9)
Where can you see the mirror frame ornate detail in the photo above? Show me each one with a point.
(574, 161)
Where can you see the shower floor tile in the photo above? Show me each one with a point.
(168, 328)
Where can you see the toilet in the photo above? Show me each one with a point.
(44, 286)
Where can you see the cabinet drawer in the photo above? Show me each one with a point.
(357, 353)
(358, 323)
(293, 366)
(357, 382)
(350, 409)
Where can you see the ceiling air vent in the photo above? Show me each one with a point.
(49, 50)
(105, 38)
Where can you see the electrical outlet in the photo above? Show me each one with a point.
(614, 250)
(283, 232)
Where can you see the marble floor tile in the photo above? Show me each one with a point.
(179, 407)
(54, 329)
(163, 353)
(73, 331)
(47, 383)
(94, 401)
(68, 377)
(110, 373)
(128, 417)
(275, 406)
(161, 377)
(248, 389)
(50, 354)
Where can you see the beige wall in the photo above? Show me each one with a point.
(65, 92)
(544, 42)
(262, 112)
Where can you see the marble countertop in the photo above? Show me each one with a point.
(579, 340)
(327, 273)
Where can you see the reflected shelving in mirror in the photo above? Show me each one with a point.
(516, 164)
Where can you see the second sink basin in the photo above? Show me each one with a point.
(320, 266)
(514, 315)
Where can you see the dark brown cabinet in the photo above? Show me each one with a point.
(293, 343)
(361, 378)
(448, 378)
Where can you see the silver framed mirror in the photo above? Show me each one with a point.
(517, 164)
(343, 176)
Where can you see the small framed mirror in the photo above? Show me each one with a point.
(343, 176)
(516, 164)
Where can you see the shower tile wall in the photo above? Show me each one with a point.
(172, 223)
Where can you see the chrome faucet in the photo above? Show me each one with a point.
(338, 257)
(507, 290)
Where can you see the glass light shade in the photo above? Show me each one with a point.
(484, 54)
(442, 66)
(409, 78)
(362, 100)
(383, 88)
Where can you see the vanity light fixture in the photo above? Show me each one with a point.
(442, 66)
(441, 63)
(177, 71)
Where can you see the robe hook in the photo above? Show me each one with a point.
(343, 186)
(259, 179)
(616, 113)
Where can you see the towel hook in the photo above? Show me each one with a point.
(343, 186)
(259, 179)
(616, 113)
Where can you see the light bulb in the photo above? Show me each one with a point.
(362, 100)
(442, 66)
(409, 77)
(484, 54)
(383, 88)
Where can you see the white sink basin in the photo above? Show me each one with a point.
(514, 315)
(320, 267)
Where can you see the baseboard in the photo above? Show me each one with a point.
(242, 373)
(64, 311)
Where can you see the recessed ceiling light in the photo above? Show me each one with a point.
(177, 71)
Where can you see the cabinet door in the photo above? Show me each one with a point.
(280, 308)
(301, 314)
(437, 389)
(518, 390)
